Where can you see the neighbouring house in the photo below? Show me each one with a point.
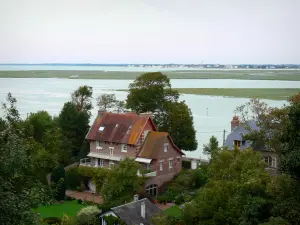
(138, 212)
(236, 139)
(115, 136)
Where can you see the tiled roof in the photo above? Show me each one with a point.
(154, 143)
(131, 213)
(118, 128)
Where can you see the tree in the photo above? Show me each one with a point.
(74, 127)
(120, 106)
(106, 102)
(82, 98)
(39, 123)
(212, 147)
(152, 92)
(123, 182)
(149, 92)
(20, 190)
(11, 114)
(235, 192)
(58, 177)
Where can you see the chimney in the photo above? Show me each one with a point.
(143, 210)
(135, 198)
(235, 122)
(144, 114)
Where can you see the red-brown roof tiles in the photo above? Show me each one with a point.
(118, 128)
(154, 144)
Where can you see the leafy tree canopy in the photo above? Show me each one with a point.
(212, 147)
(82, 98)
(152, 92)
(109, 103)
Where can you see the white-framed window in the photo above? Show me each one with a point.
(166, 146)
(101, 163)
(171, 163)
(161, 166)
(101, 129)
(98, 145)
(124, 148)
(268, 160)
(111, 150)
(110, 164)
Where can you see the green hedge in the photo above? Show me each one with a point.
(73, 178)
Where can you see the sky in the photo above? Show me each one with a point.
(150, 31)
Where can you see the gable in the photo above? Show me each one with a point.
(153, 146)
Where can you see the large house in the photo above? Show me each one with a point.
(115, 136)
(236, 139)
(138, 212)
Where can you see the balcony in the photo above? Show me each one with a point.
(147, 174)
(87, 162)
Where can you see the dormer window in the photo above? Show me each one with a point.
(129, 128)
(166, 146)
(237, 143)
(101, 129)
(124, 148)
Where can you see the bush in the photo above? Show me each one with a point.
(87, 214)
(162, 199)
(58, 177)
(73, 178)
(79, 201)
(80, 188)
(68, 198)
(179, 199)
(52, 220)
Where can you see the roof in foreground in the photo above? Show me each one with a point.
(154, 143)
(118, 128)
(131, 213)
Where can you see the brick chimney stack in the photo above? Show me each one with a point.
(235, 122)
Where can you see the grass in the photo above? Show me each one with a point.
(199, 74)
(173, 211)
(263, 93)
(58, 210)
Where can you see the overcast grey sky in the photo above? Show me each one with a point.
(150, 31)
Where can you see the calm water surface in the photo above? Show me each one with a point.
(211, 114)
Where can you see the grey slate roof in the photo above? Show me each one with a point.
(237, 134)
(131, 213)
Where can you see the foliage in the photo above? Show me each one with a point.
(82, 98)
(66, 220)
(74, 127)
(19, 188)
(11, 114)
(108, 102)
(73, 178)
(212, 147)
(87, 214)
(59, 186)
(52, 220)
(276, 221)
(152, 92)
(236, 178)
(123, 181)
(111, 220)
(99, 175)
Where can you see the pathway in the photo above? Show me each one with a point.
(85, 196)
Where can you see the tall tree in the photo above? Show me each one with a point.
(153, 92)
(149, 92)
(74, 127)
(11, 114)
(106, 102)
(212, 147)
(82, 98)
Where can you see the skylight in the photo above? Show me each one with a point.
(101, 129)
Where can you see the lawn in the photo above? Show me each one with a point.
(58, 210)
(198, 74)
(173, 211)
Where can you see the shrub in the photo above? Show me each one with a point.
(73, 178)
(79, 201)
(87, 214)
(58, 183)
(68, 198)
(52, 220)
(162, 199)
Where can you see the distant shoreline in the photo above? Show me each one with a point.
(263, 93)
(250, 74)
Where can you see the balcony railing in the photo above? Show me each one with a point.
(151, 174)
(87, 162)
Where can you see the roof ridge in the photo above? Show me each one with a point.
(143, 199)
